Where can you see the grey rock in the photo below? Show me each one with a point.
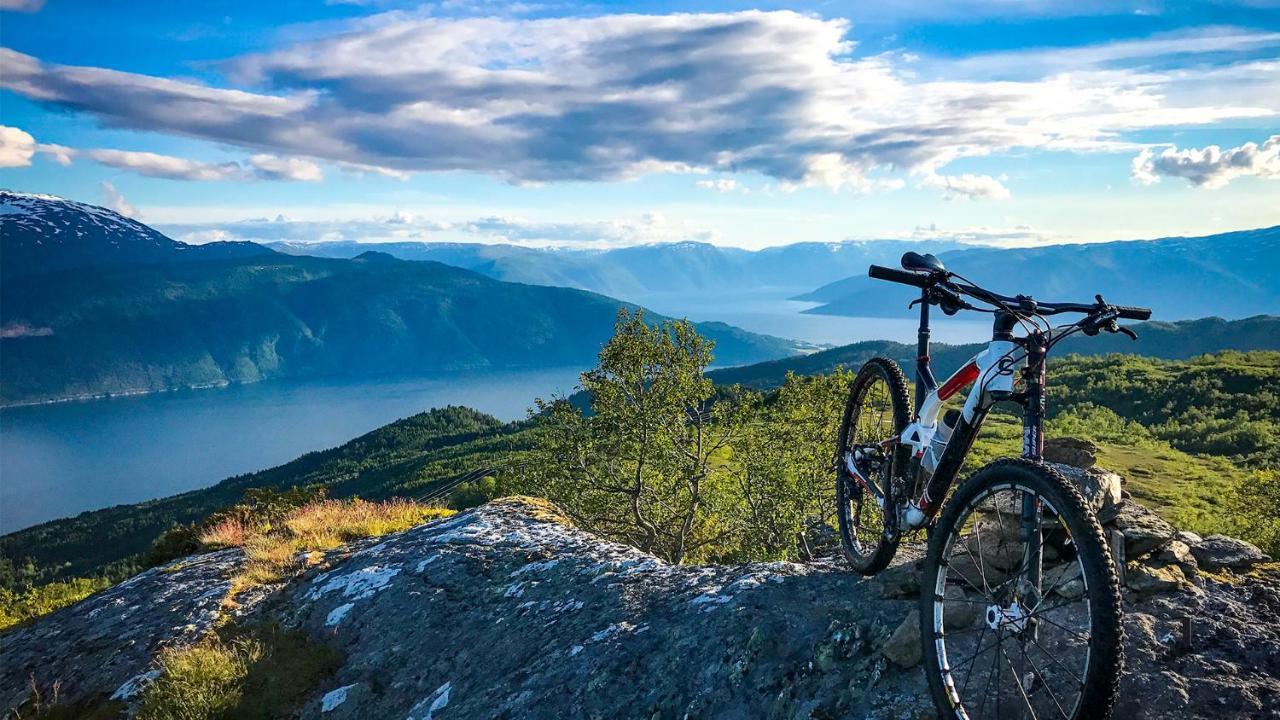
(903, 647)
(105, 644)
(1147, 579)
(902, 580)
(1219, 551)
(1071, 451)
(1144, 531)
(1178, 552)
(818, 541)
(1101, 488)
(1188, 537)
(503, 612)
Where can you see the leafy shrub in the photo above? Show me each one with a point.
(1254, 504)
(19, 607)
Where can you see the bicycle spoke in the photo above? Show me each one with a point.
(1018, 681)
(1040, 675)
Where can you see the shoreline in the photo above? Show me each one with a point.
(89, 397)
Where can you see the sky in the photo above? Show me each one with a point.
(608, 124)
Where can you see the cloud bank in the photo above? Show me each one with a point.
(403, 226)
(1211, 166)
(613, 97)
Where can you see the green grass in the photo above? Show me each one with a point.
(19, 607)
(252, 674)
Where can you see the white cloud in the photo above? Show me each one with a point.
(259, 166)
(966, 186)
(60, 154)
(1210, 166)
(26, 6)
(113, 200)
(272, 167)
(614, 96)
(723, 185)
(1014, 236)
(404, 226)
(164, 166)
(16, 147)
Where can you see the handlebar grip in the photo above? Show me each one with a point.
(1133, 313)
(880, 272)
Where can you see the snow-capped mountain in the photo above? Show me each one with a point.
(45, 233)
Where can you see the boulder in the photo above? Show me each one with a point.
(901, 581)
(1101, 488)
(1074, 452)
(1144, 531)
(961, 609)
(1064, 580)
(903, 646)
(1145, 579)
(1180, 553)
(1219, 551)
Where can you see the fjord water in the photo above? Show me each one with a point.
(60, 459)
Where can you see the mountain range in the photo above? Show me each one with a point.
(1231, 275)
(44, 233)
(94, 303)
(634, 273)
(1227, 275)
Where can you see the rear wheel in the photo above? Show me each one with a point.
(868, 460)
(1020, 611)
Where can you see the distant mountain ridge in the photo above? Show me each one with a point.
(634, 272)
(129, 315)
(1231, 275)
(45, 233)
(1165, 340)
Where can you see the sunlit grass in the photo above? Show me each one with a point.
(273, 551)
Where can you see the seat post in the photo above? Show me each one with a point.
(924, 375)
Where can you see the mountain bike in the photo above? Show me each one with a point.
(1020, 613)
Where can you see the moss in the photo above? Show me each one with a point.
(537, 508)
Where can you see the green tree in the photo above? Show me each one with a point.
(1255, 501)
(782, 464)
(641, 468)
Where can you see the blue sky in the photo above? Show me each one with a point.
(616, 123)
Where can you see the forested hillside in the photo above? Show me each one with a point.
(165, 326)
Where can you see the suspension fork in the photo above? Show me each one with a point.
(1033, 377)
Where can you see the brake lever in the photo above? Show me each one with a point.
(1126, 331)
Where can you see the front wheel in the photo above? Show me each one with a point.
(868, 459)
(1020, 611)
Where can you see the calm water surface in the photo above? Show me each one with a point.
(58, 460)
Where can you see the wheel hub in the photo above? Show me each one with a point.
(1012, 617)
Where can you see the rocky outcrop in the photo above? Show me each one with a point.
(105, 644)
(507, 611)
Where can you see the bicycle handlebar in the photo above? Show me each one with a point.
(880, 272)
(1026, 304)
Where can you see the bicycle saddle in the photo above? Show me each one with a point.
(922, 263)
